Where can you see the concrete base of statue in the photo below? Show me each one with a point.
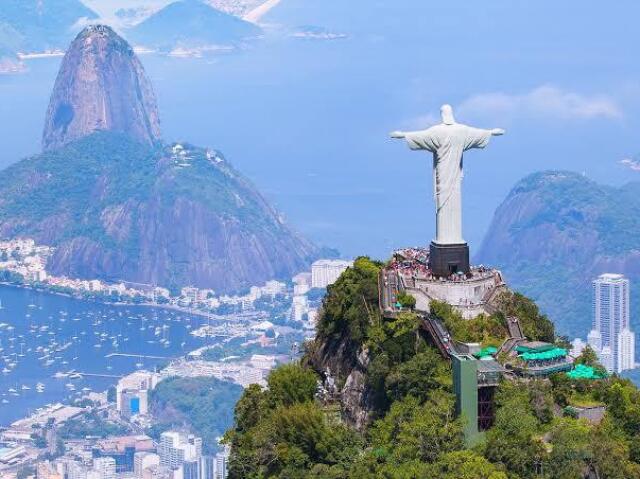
(449, 259)
(471, 294)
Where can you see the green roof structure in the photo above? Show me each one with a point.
(550, 354)
(486, 352)
(582, 371)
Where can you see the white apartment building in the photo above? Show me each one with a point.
(176, 448)
(132, 392)
(144, 460)
(611, 335)
(325, 272)
(302, 279)
(105, 467)
(221, 462)
(273, 288)
(299, 308)
(627, 350)
(577, 347)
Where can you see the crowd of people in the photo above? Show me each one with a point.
(413, 264)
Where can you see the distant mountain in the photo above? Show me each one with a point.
(101, 86)
(190, 24)
(555, 232)
(118, 206)
(40, 25)
(9, 46)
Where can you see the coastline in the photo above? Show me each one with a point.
(257, 13)
(172, 307)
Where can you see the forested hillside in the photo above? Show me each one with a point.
(557, 231)
(372, 399)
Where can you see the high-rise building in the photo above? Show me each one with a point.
(191, 469)
(627, 350)
(325, 272)
(105, 467)
(221, 461)
(176, 448)
(611, 335)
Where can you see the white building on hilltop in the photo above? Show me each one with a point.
(611, 335)
(325, 272)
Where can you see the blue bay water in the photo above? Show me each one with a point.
(79, 335)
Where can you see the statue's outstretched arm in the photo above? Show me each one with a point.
(497, 132)
(397, 134)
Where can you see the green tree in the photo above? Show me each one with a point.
(571, 452)
(291, 383)
(464, 465)
(588, 357)
(611, 453)
(512, 440)
(541, 400)
(415, 431)
(419, 377)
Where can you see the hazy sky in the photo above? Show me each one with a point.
(308, 121)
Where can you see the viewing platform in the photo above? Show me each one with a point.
(471, 293)
(536, 359)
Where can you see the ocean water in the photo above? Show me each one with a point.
(43, 334)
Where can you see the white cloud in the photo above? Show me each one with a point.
(631, 164)
(542, 102)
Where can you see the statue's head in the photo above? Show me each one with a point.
(446, 113)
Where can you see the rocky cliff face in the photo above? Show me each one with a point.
(101, 86)
(555, 232)
(169, 216)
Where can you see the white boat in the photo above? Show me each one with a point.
(25, 387)
(6, 370)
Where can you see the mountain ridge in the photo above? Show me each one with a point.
(118, 204)
(43, 24)
(555, 232)
(190, 24)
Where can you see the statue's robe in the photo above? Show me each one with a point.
(448, 143)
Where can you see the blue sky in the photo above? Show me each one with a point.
(308, 121)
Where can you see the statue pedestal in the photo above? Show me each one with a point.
(448, 259)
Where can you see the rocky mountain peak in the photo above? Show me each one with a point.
(101, 86)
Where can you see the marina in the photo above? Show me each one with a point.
(54, 348)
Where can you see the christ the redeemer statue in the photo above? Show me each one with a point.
(448, 141)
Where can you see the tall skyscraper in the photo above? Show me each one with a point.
(611, 335)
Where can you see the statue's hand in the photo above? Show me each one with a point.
(497, 132)
(397, 134)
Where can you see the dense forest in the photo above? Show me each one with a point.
(200, 405)
(305, 423)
